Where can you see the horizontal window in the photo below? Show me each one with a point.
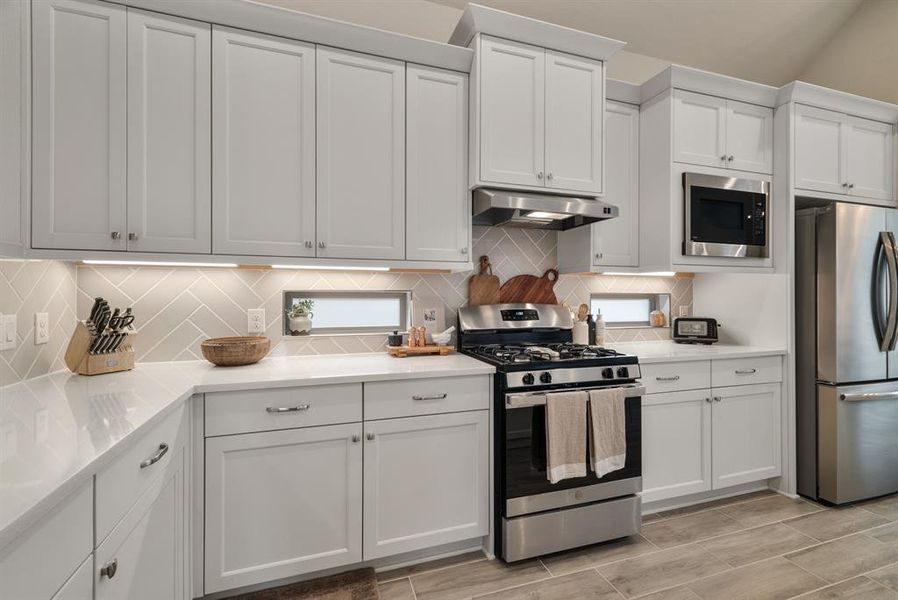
(631, 310)
(346, 312)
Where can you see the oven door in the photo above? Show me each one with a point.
(725, 216)
(526, 484)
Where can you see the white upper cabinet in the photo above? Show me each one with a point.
(169, 134)
(79, 129)
(575, 101)
(361, 156)
(512, 112)
(616, 241)
(842, 154)
(263, 145)
(717, 132)
(438, 223)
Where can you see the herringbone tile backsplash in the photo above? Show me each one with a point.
(177, 308)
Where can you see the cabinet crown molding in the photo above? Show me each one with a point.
(714, 84)
(814, 95)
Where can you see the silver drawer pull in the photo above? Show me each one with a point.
(433, 397)
(109, 569)
(286, 409)
(671, 378)
(162, 451)
(746, 371)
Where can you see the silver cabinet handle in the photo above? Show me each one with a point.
(433, 397)
(464, 250)
(108, 570)
(746, 371)
(724, 157)
(539, 175)
(322, 245)
(845, 185)
(132, 237)
(671, 378)
(600, 255)
(369, 436)
(356, 438)
(709, 400)
(162, 451)
(850, 186)
(309, 244)
(287, 409)
(550, 176)
(716, 398)
(730, 158)
(115, 235)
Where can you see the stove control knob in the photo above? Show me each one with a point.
(527, 379)
(623, 373)
(546, 377)
(608, 373)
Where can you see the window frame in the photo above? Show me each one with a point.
(405, 309)
(656, 302)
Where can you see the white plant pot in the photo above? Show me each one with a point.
(300, 325)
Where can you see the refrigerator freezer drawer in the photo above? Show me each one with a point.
(857, 437)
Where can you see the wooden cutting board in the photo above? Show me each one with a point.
(530, 289)
(484, 287)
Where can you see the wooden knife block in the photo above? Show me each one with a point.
(80, 361)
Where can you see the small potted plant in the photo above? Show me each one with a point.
(299, 316)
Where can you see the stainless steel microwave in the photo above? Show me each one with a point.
(726, 216)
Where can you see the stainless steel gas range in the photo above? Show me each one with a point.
(531, 347)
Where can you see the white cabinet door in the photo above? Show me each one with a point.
(438, 224)
(169, 134)
(676, 444)
(819, 163)
(426, 481)
(575, 98)
(80, 586)
(869, 158)
(747, 441)
(512, 112)
(699, 129)
(78, 61)
(749, 137)
(282, 503)
(361, 156)
(263, 145)
(616, 241)
(145, 555)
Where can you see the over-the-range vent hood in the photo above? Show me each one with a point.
(537, 211)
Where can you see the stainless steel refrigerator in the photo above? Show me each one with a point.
(846, 261)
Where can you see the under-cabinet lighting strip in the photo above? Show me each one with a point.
(149, 263)
(329, 268)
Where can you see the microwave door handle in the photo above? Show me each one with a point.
(890, 251)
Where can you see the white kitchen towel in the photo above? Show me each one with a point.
(607, 430)
(566, 435)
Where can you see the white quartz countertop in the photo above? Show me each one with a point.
(668, 351)
(59, 430)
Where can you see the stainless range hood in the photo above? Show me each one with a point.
(537, 211)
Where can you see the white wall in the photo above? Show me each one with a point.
(750, 307)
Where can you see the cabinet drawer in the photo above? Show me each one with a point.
(743, 371)
(38, 563)
(676, 376)
(284, 408)
(120, 484)
(389, 399)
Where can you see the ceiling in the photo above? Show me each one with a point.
(769, 41)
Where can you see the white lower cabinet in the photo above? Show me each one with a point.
(80, 586)
(282, 503)
(746, 425)
(426, 481)
(144, 556)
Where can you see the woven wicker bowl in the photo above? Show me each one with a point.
(235, 351)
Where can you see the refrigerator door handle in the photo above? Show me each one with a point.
(888, 250)
(869, 396)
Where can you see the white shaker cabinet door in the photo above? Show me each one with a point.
(438, 223)
(361, 156)
(263, 136)
(699, 129)
(616, 241)
(819, 147)
(747, 439)
(80, 586)
(282, 503)
(144, 557)
(575, 101)
(169, 134)
(749, 137)
(676, 444)
(870, 158)
(426, 481)
(79, 129)
(512, 112)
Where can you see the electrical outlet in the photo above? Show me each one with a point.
(255, 320)
(8, 332)
(684, 311)
(41, 328)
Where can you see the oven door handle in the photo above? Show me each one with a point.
(529, 399)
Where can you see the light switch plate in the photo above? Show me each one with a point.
(41, 328)
(255, 320)
(684, 311)
(8, 332)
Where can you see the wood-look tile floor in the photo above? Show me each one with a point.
(760, 546)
